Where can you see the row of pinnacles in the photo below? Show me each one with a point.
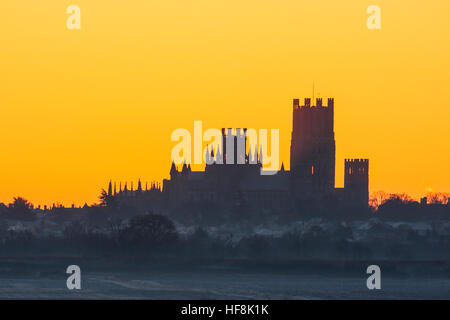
(130, 192)
(307, 103)
(233, 149)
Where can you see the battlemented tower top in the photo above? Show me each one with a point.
(356, 160)
(307, 103)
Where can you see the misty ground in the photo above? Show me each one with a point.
(136, 278)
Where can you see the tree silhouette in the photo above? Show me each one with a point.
(402, 197)
(377, 199)
(437, 197)
(20, 209)
(149, 230)
(106, 200)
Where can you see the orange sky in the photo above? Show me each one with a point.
(80, 107)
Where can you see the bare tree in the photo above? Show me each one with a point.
(437, 197)
(377, 199)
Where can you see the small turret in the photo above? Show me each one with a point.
(110, 188)
(219, 157)
(251, 159)
(308, 102)
(173, 171)
(261, 160)
(185, 169)
(356, 179)
(318, 102)
(207, 155)
(330, 102)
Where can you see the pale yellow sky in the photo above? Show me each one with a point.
(80, 107)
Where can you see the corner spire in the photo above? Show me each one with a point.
(110, 188)
(261, 154)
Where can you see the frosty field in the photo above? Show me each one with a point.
(45, 278)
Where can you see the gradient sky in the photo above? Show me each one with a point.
(80, 107)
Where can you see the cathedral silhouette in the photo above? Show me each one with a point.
(239, 183)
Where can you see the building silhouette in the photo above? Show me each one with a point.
(232, 179)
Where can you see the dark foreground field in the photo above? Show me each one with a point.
(138, 278)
